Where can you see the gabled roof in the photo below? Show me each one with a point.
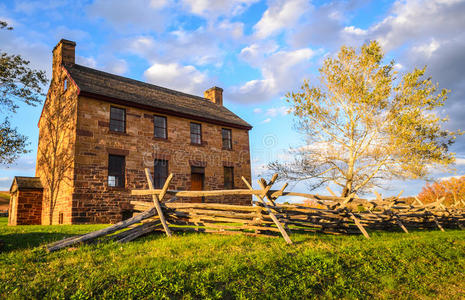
(25, 183)
(126, 91)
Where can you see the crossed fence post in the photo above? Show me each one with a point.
(261, 197)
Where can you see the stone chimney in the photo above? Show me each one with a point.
(215, 95)
(63, 53)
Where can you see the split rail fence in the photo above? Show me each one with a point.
(331, 215)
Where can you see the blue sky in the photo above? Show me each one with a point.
(255, 50)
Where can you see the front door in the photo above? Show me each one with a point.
(197, 184)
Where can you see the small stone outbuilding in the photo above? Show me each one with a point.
(25, 201)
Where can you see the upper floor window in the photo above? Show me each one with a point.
(196, 133)
(116, 166)
(65, 84)
(160, 173)
(228, 178)
(160, 127)
(227, 138)
(117, 119)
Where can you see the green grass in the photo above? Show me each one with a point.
(390, 265)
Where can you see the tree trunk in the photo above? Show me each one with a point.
(50, 213)
(347, 189)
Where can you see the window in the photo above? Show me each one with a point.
(228, 178)
(159, 127)
(160, 173)
(60, 218)
(117, 119)
(116, 165)
(227, 138)
(196, 133)
(65, 84)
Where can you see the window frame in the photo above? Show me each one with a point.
(159, 181)
(229, 139)
(228, 185)
(122, 174)
(165, 128)
(196, 134)
(124, 119)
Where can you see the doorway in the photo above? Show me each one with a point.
(197, 182)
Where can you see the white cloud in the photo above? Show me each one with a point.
(354, 30)
(202, 46)
(232, 29)
(398, 66)
(86, 61)
(158, 4)
(267, 120)
(212, 9)
(449, 177)
(275, 111)
(412, 21)
(107, 63)
(37, 52)
(459, 161)
(143, 46)
(325, 26)
(281, 71)
(128, 15)
(258, 169)
(257, 110)
(116, 66)
(175, 76)
(5, 183)
(280, 15)
(258, 51)
(427, 49)
(22, 165)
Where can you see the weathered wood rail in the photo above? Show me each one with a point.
(334, 215)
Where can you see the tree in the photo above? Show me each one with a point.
(18, 83)
(12, 144)
(363, 126)
(452, 189)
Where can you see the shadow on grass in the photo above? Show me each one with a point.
(20, 241)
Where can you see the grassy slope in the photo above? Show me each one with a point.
(390, 265)
(4, 200)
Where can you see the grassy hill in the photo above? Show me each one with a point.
(390, 265)
(4, 200)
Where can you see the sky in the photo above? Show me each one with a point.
(257, 51)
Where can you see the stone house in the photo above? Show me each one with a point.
(98, 131)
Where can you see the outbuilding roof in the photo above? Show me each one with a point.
(25, 183)
(126, 91)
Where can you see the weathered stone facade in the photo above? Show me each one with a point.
(57, 136)
(77, 191)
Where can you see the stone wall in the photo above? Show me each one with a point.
(94, 201)
(57, 134)
(25, 208)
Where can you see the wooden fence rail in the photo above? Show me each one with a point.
(334, 215)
